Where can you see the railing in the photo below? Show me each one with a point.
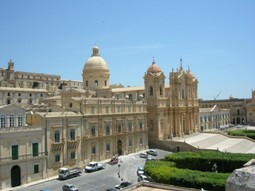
(23, 157)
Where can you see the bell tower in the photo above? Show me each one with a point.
(154, 82)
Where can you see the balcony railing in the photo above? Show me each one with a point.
(73, 143)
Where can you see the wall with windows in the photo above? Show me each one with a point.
(213, 118)
(21, 148)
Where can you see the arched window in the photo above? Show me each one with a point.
(151, 91)
(2, 121)
(11, 120)
(20, 120)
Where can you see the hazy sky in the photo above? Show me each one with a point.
(216, 39)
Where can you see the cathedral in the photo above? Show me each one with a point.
(70, 123)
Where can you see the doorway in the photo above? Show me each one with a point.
(15, 176)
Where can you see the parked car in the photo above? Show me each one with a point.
(143, 178)
(123, 185)
(152, 152)
(140, 170)
(114, 160)
(143, 155)
(69, 187)
(45, 190)
(94, 166)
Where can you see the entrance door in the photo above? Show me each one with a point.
(119, 147)
(15, 176)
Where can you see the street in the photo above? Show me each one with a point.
(99, 180)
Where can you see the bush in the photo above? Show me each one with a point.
(242, 132)
(167, 173)
(204, 160)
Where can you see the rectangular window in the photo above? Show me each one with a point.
(15, 152)
(20, 120)
(35, 150)
(73, 155)
(93, 150)
(57, 136)
(108, 147)
(2, 121)
(87, 83)
(106, 109)
(140, 125)
(72, 134)
(118, 109)
(57, 158)
(129, 109)
(92, 110)
(130, 142)
(107, 129)
(119, 128)
(129, 126)
(11, 120)
(141, 140)
(36, 168)
(93, 131)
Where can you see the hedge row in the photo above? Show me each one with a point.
(167, 173)
(242, 132)
(206, 160)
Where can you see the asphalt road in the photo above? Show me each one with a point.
(99, 180)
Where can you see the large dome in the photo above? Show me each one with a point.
(154, 68)
(95, 61)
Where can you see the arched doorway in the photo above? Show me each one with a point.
(15, 176)
(119, 147)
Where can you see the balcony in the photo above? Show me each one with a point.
(73, 143)
(57, 146)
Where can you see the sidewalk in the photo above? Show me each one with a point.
(31, 183)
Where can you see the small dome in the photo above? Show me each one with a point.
(154, 68)
(95, 61)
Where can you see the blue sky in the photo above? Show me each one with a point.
(216, 39)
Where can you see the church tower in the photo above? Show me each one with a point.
(154, 81)
(184, 101)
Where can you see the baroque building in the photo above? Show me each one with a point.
(171, 111)
(93, 120)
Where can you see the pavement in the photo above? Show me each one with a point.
(219, 141)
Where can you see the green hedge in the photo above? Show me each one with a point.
(204, 160)
(167, 173)
(243, 132)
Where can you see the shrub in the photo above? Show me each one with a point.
(204, 160)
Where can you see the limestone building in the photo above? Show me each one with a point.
(213, 118)
(237, 108)
(251, 110)
(99, 121)
(171, 112)
(22, 156)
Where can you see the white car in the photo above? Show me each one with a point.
(142, 178)
(152, 152)
(140, 170)
(69, 187)
(143, 155)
